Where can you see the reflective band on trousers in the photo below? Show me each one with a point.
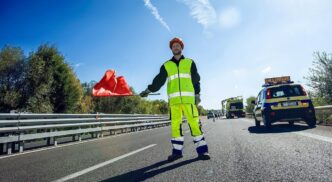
(201, 143)
(178, 94)
(181, 75)
(198, 138)
(177, 146)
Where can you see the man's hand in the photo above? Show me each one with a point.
(145, 93)
(197, 99)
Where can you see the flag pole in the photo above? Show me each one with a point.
(128, 95)
(154, 94)
(149, 94)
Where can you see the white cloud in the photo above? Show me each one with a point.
(202, 11)
(266, 70)
(77, 65)
(229, 17)
(156, 14)
(206, 15)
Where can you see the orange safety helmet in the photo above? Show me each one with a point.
(176, 40)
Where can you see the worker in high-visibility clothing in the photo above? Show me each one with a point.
(183, 89)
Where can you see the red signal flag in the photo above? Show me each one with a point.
(110, 85)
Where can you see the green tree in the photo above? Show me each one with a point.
(87, 104)
(159, 107)
(201, 110)
(11, 78)
(320, 77)
(250, 106)
(52, 84)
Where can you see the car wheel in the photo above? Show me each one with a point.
(266, 121)
(257, 123)
(311, 122)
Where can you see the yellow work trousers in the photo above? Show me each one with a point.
(191, 113)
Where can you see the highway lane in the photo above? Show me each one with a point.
(239, 151)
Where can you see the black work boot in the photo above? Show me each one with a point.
(174, 157)
(204, 156)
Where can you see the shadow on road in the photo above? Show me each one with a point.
(277, 128)
(146, 173)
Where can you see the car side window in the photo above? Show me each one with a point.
(258, 100)
(262, 96)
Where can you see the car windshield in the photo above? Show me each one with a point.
(286, 91)
(238, 105)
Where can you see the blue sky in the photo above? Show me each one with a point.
(235, 44)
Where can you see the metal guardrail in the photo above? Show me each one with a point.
(322, 113)
(15, 129)
(328, 107)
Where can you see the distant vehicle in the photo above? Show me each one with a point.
(282, 100)
(210, 115)
(232, 107)
(218, 115)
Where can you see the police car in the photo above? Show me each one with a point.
(282, 100)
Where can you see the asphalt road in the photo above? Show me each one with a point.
(239, 152)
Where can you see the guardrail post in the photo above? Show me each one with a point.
(99, 134)
(80, 137)
(21, 146)
(55, 140)
(9, 148)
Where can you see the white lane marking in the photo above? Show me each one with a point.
(318, 137)
(92, 168)
(307, 134)
(75, 143)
